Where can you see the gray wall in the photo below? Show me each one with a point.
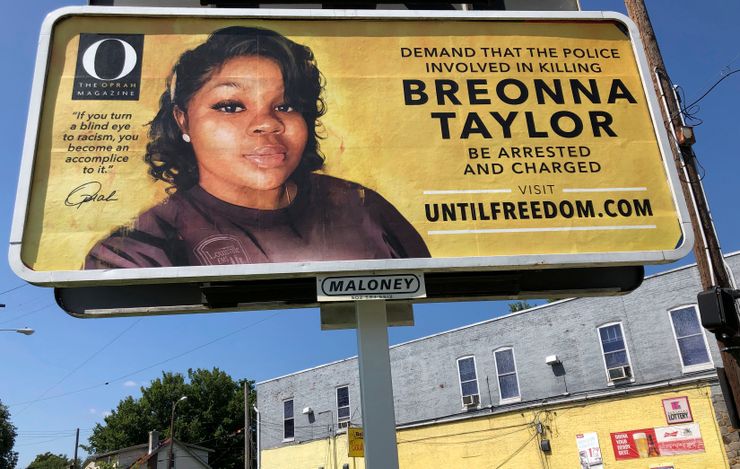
(425, 379)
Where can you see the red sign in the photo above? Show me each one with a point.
(634, 444)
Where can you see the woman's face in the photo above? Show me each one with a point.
(247, 140)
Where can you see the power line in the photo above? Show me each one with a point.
(51, 432)
(517, 451)
(27, 314)
(686, 110)
(57, 396)
(179, 355)
(696, 101)
(514, 428)
(14, 288)
(85, 362)
(37, 437)
(236, 432)
(465, 442)
(127, 375)
(71, 435)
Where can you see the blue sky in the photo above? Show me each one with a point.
(76, 358)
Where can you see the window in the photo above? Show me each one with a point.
(343, 412)
(468, 381)
(288, 420)
(508, 382)
(616, 356)
(690, 339)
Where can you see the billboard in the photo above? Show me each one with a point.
(168, 145)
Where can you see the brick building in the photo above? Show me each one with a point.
(526, 389)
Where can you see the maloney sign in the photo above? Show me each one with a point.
(382, 287)
(172, 145)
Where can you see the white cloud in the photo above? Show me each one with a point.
(93, 410)
(106, 413)
(130, 384)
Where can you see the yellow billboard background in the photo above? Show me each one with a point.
(375, 138)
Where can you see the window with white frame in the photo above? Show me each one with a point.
(616, 355)
(288, 420)
(508, 381)
(468, 381)
(690, 339)
(343, 409)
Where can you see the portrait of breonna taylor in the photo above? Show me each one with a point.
(235, 138)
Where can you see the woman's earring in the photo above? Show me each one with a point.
(186, 137)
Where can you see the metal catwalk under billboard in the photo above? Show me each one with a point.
(194, 145)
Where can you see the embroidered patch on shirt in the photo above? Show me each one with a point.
(221, 250)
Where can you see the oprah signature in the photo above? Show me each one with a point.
(88, 192)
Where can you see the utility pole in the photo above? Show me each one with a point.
(77, 444)
(708, 255)
(247, 429)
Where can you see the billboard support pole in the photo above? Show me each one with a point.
(376, 387)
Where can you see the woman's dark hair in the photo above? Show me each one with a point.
(170, 158)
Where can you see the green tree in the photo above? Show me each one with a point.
(212, 415)
(8, 457)
(515, 306)
(50, 461)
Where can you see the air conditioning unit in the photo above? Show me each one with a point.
(472, 400)
(619, 372)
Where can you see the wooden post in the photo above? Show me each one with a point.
(707, 251)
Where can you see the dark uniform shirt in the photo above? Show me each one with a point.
(330, 219)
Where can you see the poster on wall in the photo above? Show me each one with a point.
(679, 439)
(589, 452)
(634, 444)
(659, 441)
(677, 410)
(195, 144)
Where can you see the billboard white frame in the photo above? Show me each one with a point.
(308, 269)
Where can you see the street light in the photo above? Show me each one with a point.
(172, 430)
(24, 331)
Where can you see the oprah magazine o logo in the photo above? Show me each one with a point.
(108, 67)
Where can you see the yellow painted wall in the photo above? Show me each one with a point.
(510, 441)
